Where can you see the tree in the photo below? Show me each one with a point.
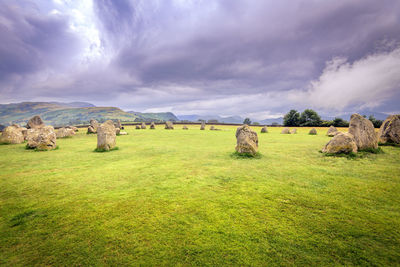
(310, 117)
(292, 118)
(247, 121)
(375, 122)
(339, 122)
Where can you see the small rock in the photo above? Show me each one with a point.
(264, 129)
(35, 122)
(285, 131)
(332, 131)
(313, 131)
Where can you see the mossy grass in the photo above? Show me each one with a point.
(102, 150)
(176, 198)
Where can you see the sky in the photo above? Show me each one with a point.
(257, 58)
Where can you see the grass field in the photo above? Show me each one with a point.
(181, 198)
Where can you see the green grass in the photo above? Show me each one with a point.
(182, 198)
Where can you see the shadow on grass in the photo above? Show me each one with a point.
(389, 144)
(360, 154)
(105, 150)
(237, 155)
(39, 150)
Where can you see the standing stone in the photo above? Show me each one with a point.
(106, 136)
(43, 138)
(332, 131)
(246, 140)
(35, 122)
(341, 143)
(137, 127)
(313, 131)
(285, 131)
(118, 124)
(143, 126)
(203, 125)
(24, 132)
(264, 129)
(64, 132)
(93, 126)
(75, 129)
(363, 131)
(152, 125)
(169, 125)
(185, 127)
(12, 135)
(294, 131)
(390, 130)
(117, 131)
(212, 127)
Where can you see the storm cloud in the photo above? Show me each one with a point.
(256, 58)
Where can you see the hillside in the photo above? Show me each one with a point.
(75, 113)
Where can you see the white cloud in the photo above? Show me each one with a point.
(365, 83)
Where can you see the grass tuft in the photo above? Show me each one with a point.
(389, 144)
(21, 218)
(237, 155)
(105, 150)
(372, 150)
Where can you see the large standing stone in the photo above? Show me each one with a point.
(93, 126)
(313, 131)
(12, 135)
(294, 131)
(285, 131)
(363, 131)
(64, 132)
(106, 137)
(246, 140)
(169, 125)
(390, 130)
(264, 129)
(341, 143)
(143, 126)
(152, 125)
(35, 122)
(332, 131)
(43, 138)
(203, 126)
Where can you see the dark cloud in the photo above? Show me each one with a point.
(196, 54)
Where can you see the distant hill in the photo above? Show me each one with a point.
(156, 117)
(75, 113)
(230, 119)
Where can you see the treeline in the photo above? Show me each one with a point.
(310, 117)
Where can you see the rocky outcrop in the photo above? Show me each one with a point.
(341, 143)
(42, 138)
(246, 140)
(64, 132)
(363, 131)
(12, 135)
(332, 131)
(390, 130)
(106, 136)
(35, 122)
(169, 125)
